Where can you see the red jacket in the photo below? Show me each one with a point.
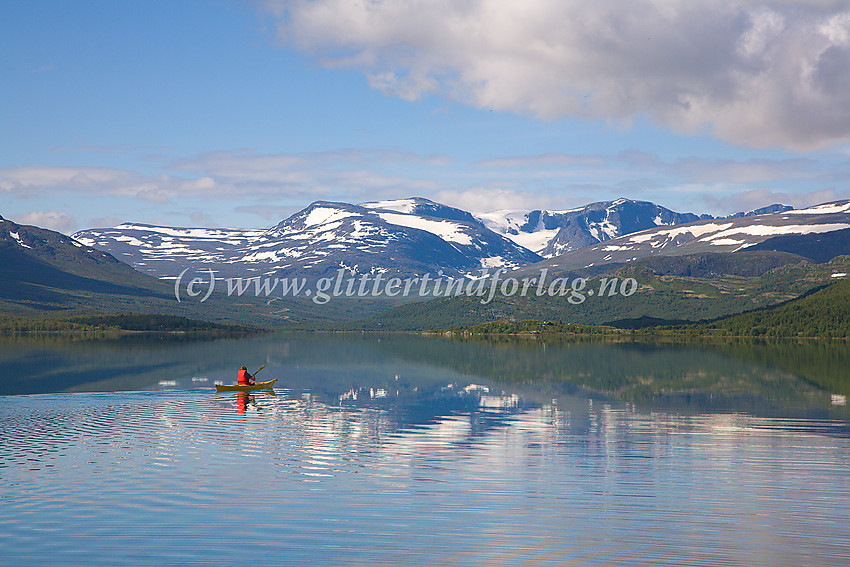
(243, 377)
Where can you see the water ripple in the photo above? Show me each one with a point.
(94, 479)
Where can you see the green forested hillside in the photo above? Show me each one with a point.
(662, 296)
(109, 323)
(823, 314)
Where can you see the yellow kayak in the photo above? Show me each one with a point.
(244, 388)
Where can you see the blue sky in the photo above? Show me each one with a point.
(239, 113)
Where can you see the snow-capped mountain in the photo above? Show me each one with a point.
(164, 250)
(715, 235)
(551, 233)
(43, 269)
(416, 236)
(404, 237)
(775, 208)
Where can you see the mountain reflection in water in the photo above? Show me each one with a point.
(456, 475)
(794, 379)
(407, 450)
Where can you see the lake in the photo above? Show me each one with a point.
(408, 450)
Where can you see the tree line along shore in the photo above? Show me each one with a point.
(819, 314)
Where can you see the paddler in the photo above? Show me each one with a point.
(243, 378)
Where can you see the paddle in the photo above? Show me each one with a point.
(255, 378)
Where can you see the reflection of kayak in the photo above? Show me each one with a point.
(244, 388)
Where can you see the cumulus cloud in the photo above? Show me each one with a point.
(763, 74)
(54, 220)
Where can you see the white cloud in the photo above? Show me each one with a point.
(349, 174)
(766, 74)
(31, 180)
(551, 159)
(745, 171)
(104, 222)
(318, 175)
(757, 198)
(269, 212)
(483, 200)
(632, 165)
(54, 220)
(273, 186)
(200, 218)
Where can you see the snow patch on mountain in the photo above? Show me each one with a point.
(17, 237)
(324, 216)
(407, 206)
(379, 238)
(761, 230)
(733, 234)
(838, 207)
(410, 237)
(537, 240)
(551, 233)
(446, 230)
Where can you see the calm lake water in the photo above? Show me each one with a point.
(403, 450)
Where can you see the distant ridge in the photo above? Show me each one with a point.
(45, 271)
(402, 238)
(727, 235)
(550, 233)
(821, 247)
(410, 237)
(685, 271)
(774, 208)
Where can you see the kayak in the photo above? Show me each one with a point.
(244, 387)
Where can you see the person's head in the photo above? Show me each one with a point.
(244, 368)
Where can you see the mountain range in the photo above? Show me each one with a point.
(783, 253)
(42, 271)
(40, 267)
(551, 233)
(405, 237)
(799, 231)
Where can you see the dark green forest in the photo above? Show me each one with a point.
(105, 324)
(820, 314)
